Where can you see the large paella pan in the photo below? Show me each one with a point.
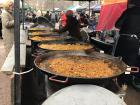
(79, 65)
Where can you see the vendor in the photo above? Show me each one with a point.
(8, 25)
(128, 42)
(72, 25)
(129, 24)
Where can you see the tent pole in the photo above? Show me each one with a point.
(23, 15)
(17, 79)
(89, 8)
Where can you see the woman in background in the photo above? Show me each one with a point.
(8, 26)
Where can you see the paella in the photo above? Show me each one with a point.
(75, 46)
(80, 66)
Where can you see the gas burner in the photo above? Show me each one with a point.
(111, 84)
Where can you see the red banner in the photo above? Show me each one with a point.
(110, 12)
(106, 2)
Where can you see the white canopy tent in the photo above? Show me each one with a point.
(74, 8)
(96, 7)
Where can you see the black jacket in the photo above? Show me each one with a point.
(129, 22)
(73, 26)
(128, 47)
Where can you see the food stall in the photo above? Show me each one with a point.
(53, 61)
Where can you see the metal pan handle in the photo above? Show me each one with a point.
(132, 69)
(53, 78)
(34, 55)
(40, 51)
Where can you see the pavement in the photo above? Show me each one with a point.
(5, 81)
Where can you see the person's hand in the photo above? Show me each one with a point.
(116, 29)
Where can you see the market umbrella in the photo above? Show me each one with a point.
(70, 7)
(111, 10)
(96, 7)
(85, 0)
(74, 7)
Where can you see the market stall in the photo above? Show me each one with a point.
(51, 61)
(67, 48)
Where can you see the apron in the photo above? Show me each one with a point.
(128, 48)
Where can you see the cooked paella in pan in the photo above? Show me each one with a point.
(75, 46)
(46, 38)
(80, 66)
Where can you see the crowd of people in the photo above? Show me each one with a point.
(55, 17)
(63, 21)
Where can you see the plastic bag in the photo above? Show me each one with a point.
(57, 26)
